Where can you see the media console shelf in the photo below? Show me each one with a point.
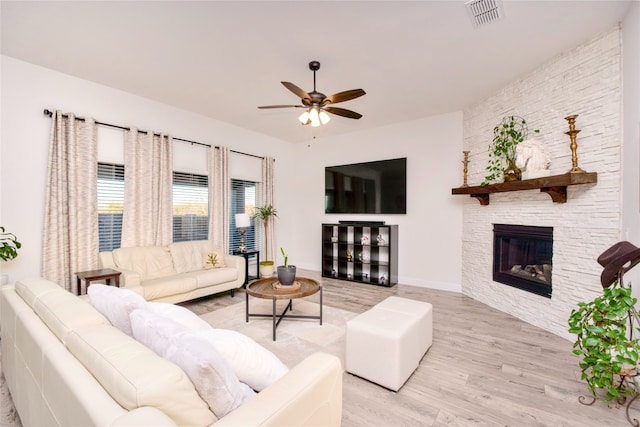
(555, 186)
(360, 252)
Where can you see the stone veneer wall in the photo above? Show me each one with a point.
(584, 81)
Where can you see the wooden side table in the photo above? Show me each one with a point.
(105, 274)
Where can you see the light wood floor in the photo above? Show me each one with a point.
(485, 368)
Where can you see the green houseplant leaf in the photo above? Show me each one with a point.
(511, 131)
(604, 341)
(9, 245)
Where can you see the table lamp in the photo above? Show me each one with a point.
(243, 221)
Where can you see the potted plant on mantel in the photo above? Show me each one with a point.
(511, 131)
(286, 272)
(265, 213)
(9, 245)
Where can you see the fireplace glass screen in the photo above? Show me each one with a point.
(522, 257)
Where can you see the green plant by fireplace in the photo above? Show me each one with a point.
(605, 330)
(511, 131)
(9, 245)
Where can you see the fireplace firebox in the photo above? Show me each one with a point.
(522, 257)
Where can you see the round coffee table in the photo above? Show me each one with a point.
(265, 289)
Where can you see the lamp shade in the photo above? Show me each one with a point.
(243, 220)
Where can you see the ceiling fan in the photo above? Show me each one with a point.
(317, 104)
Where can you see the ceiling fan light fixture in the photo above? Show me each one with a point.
(324, 117)
(304, 118)
(314, 117)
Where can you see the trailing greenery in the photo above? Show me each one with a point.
(511, 131)
(604, 343)
(9, 245)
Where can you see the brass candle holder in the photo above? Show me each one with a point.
(465, 162)
(574, 145)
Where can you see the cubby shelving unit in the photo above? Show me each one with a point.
(360, 252)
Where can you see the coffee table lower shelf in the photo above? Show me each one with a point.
(263, 289)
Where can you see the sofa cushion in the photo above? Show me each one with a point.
(179, 314)
(116, 304)
(148, 261)
(212, 376)
(253, 364)
(162, 287)
(192, 255)
(60, 310)
(215, 276)
(135, 376)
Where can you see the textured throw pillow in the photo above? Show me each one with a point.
(115, 304)
(253, 364)
(179, 314)
(212, 377)
(217, 256)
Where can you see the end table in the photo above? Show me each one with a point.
(247, 255)
(105, 274)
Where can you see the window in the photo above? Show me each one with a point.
(190, 207)
(243, 200)
(110, 204)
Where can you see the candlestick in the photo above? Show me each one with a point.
(465, 162)
(574, 146)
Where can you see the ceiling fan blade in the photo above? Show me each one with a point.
(281, 106)
(344, 96)
(342, 112)
(296, 90)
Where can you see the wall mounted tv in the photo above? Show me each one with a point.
(378, 187)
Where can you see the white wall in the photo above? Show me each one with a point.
(430, 232)
(433, 147)
(27, 90)
(584, 81)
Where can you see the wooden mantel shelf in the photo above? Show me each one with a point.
(555, 186)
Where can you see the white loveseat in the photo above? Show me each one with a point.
(66, 365)
(177, 272)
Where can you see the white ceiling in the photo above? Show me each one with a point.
(223, 59)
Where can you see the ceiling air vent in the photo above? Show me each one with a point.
(483, 12)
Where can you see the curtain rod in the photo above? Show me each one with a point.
(49, 113)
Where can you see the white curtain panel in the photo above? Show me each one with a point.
(147, 217)
(219, 197)
(70, 242)
(268, 164)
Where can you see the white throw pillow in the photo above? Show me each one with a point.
(219, 259)
(212, 377)
(116, 304)
(179, 314)
(253, 364)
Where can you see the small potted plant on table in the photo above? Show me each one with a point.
(286, 272)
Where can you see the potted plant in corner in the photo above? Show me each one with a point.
(9, 245)
(265, 213)
(604, 341)
(286, 272)
(511, 131)
(607, 329)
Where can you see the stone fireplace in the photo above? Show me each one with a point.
(522, 257)
(588, 222)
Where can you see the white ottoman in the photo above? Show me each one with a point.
(386, 343)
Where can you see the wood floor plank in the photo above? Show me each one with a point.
(485, 367)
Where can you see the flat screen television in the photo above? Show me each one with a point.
(378, 187)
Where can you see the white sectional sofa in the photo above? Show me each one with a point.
(66, 365)
(177, 272)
